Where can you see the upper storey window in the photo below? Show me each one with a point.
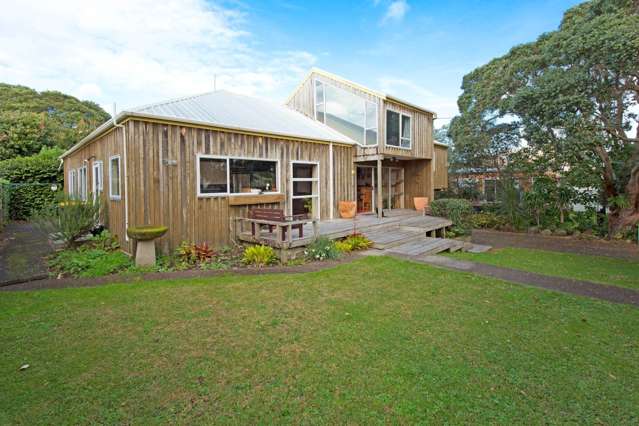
(398, 129)
(349, 114)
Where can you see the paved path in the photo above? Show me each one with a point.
(499, 239)
(22, 249)
(582, 288)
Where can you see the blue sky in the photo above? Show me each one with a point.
(141, 51)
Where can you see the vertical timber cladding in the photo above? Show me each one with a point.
(440, 167)
(163, 178)
(421, 132)
(101, 149)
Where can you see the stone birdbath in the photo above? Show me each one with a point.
(145, 236)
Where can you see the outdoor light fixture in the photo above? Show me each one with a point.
(54, 187)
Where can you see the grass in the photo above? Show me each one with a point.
(599, 269)
(375, 341)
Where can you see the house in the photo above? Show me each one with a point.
(194, 163)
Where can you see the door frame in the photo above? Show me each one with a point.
(374, 182)
(291, 197)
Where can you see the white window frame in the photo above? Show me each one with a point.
(83, 182)
(228, 159)
(72, 183)
(112, 196)
(97, 169)
(366, 101)
(313, 179)
(410, 140)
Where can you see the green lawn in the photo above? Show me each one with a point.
(376, 341)
(599, 269)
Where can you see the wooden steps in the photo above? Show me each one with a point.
(426, 246)
(386, 238)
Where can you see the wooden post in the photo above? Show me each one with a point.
(289, 235)
(315, 229)
(380, 204)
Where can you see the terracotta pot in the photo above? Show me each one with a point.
(420, 203)
(347, 209)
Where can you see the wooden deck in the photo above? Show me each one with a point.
(398, 227)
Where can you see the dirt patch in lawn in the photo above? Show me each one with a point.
(499, 239)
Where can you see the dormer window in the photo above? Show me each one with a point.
(346, 112)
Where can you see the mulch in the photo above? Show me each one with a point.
(592, 247)
(52, 283)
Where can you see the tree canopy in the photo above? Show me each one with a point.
(31, 120)
(565, 104)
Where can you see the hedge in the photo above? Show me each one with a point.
(4, 202)
(30, 181)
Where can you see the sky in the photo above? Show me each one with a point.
(134, 52)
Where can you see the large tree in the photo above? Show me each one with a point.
(30, 120)
(566, 103)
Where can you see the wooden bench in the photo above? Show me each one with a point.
(275, 215)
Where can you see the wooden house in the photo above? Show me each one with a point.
(195, 163)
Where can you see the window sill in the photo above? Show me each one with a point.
(246, 199)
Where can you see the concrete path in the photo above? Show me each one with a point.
(22, 251)
(582, 288)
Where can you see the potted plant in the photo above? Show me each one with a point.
(420, 203)
(347, 209)
(144, 236)
(308, 207)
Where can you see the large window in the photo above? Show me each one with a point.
(222, 176)
(114, 178)
(398, 129)
(72, 184)
(349, 114)
(82, 182)
(98, 184)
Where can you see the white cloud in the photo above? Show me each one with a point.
(445, 107)
(136, 52)
(396, 11)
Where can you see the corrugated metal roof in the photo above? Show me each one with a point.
(230, 110)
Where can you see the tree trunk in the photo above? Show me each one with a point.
(609, 189)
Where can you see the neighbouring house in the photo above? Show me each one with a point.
(195, 163)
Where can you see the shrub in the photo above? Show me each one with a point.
(104, 241)
(343, 246)
(486, 220)
(69, 219)
(353, 242)
(259, 256)
(89, 262)
(455, 209)
(321, 249)
(189, 254)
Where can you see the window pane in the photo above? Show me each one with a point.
(319, 92)
(253, 176)
(392, 128)
(303, 171)
(406, 126)
(115, 177)
(213, 176)
(371, 137)
(371, 115)
(319, 112)
(345, 112)
(303, 188)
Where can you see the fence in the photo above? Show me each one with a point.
(4, 202)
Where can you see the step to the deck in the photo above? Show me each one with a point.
(426, 245)
(387, 238)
